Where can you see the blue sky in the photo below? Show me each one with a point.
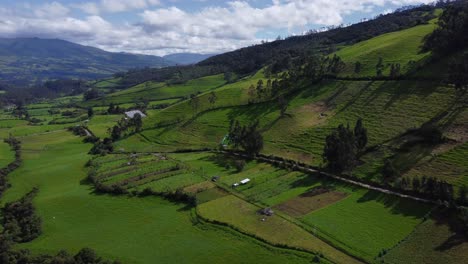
(161, 27)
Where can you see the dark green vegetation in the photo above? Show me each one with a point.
(43, 59)
(374, 109)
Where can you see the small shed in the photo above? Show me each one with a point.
(215, 178)
(245, 181)
(267, 211)
(131, 114)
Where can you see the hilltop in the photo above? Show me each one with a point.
(41, 59)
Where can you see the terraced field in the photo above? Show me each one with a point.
(74, 217)
(137, 172)
(151, 91)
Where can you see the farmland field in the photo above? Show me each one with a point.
(365, 221)
(236, 212)
(432, 242)
(72, 214)
(335, 146)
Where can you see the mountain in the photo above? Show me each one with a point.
(187, 58)
(28, 60)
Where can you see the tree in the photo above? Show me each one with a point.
(212, 98)
(462, 195)
(111, 108)
(269, 86)
(90, 112)
(283, 105)
(463, 218)
(379, 67)
(20, 220)
(247, 137)
(91, 94)
(360, 135)
(340, 149)
(252, 139)
(251, 94)
(459, 72)
(195, 103)
(86, 256)
(357, 67)
(275, 87)
(116, 132)
(395, 70)
(137, 121)
(389, 171)
(260, 89)
(452, 33)
(416, 184)
(240, 165)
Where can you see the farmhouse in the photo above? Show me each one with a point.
(131, 114)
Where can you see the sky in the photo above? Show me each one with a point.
(160, 27)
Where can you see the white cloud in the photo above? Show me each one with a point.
(164, 30)
(115, 6)
(53, 9)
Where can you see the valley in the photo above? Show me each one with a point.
(352, 154)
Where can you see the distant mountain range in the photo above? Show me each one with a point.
(29, 60)
(187, 58)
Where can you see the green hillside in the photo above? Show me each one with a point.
(259, 166)
(154, 92)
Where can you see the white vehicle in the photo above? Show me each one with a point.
(235, 185)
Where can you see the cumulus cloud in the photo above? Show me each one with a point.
(115, 6)
(167, 29)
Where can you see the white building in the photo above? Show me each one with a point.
(245, 181)
(131, 114)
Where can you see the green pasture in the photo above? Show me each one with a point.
(403, 47)
(6, 154)
(367, 222)
(142, 230)
(434, 241)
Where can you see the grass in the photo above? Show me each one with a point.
(403, 47)
(367, 222)
(6, 154)
(74, 217)
(242, 215)
(450, 166)
(431, 242)
(151, 91)
(99, 124)
(359, 221)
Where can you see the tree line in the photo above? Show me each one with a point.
(451, 38)
(344, 145)
(15, 145)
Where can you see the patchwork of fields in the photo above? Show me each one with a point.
(125, 228)
(127, 204)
